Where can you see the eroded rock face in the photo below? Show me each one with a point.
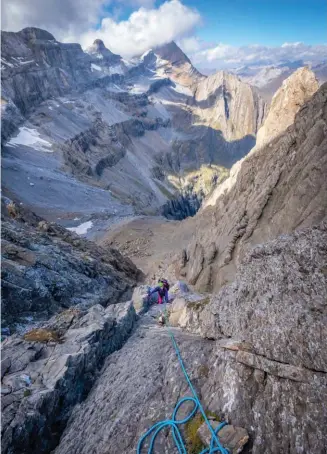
(175, 64)
(36, 67)
(287, 101)
(43, 380)
(139, 385)
(183, 206)
(278, 188)
(46, 268)
(277, 302)
(268, 370)
(224, 102)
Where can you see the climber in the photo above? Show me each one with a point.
(162, 289)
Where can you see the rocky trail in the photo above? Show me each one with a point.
(139, 385)
(48, 373)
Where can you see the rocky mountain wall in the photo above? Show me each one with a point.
(46, 268)
(278, 188)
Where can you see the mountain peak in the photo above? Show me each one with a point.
(99, 45)
(172, 53)
(295, 91)
(33, 33)
(99, 50)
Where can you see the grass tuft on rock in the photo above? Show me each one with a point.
(193, 441)
(42, 335)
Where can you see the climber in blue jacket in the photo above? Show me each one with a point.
(162, 290)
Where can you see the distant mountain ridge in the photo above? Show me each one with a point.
(123, 132)
(269, 78)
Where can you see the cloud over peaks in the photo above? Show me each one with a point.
(79, 21)
(145, 28)
(224, 56)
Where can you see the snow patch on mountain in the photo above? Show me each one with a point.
(95, 67)
(30, 138)
(82, 228)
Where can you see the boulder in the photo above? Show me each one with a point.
(231, 437)
(185, 310)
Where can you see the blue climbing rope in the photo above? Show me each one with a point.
(173, 423)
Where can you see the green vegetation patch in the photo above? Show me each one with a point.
(193, 441)
(198, 305)
(42, 335)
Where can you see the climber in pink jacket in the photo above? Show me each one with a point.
(162, 290)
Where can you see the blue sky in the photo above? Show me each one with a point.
(243, 22)
(266, 22)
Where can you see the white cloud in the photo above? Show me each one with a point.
(223, 56)
(298, 44)
(190, 44)
(77, 20)
(145, 28)
(60, 17)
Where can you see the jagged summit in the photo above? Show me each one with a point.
(99, 44)
(98, 47)
(173, 62)
(33, 33)
(172, 53)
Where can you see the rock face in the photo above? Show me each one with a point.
(294, 92)
(224, 102)
(277, 307)
(284, 319)
(269, 360)
(144, 382)
(176, 65)
(46, 268)
(289, 100)
(183, 206)
(105, 60)
(43, 381)
(278, 188)
(264, 366)
(36, 67)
